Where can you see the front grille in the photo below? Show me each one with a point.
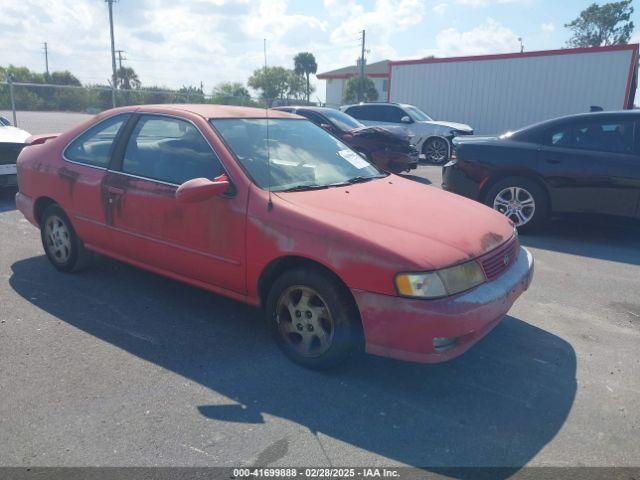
(494, 264)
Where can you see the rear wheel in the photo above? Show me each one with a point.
(520, 199)
(312, 318)
(436, 150)
(63, 247)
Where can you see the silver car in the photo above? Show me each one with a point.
(432, 138)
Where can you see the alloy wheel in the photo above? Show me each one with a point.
(58, 239)
(516, 203)
(436, 151)
(304, 321)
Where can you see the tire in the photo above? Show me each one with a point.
(63, 247)
(436, 151)
(532, 203)
(310, 335)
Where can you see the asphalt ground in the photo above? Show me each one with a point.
(115, 366)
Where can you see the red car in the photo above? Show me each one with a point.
(277, 213)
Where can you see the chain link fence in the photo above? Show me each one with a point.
(45, 108)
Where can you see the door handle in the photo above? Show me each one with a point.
(554, 161)
(115, 191)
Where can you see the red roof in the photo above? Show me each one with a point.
(503, 56)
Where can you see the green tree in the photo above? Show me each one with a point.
(296, 87)
(272, 82)
(127, 78)
(608, 24)
(305, 64)
(351, 91)
(230, 93)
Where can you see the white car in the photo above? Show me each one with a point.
(433, 138)
(12, 140)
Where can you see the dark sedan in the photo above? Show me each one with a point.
(389, 148)
(586, 163)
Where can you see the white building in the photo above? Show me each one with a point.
(497, 93)
(336, 81)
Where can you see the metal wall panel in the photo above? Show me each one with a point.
(497, 95)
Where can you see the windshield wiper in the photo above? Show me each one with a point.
(363, 179)
(300, 188)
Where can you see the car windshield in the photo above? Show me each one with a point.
(417, 114)
(303, 155)
(342, 120)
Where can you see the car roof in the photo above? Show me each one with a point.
(311, 108)
(207, 110)
(377, 103)
(586, 116)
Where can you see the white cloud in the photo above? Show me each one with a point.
(487, 3)
(440, 8)
(548, 27)
(488, 37)
(386, 18)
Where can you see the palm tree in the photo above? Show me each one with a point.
(127, 78)
(305, 64)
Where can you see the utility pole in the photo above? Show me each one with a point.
(46, 58)
(113, 53)
(120, 52)
(361, 80)
(521, 45)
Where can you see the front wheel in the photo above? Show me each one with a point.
(436, 151)
(520, 199)
(312, 318)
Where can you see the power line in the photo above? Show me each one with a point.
(120, 52)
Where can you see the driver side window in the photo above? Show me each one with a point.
(169, 150)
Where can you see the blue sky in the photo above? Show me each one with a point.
(178, 42)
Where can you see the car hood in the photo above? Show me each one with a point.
(390, 132)
(13, 135)
(427, 227)
(453, 125)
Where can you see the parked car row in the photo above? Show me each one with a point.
(586, 163)
(432, 138)
(270, 209)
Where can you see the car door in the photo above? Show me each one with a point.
(203, 241)
(83, 172)
(591, 166)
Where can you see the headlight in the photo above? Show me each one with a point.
(440, 283)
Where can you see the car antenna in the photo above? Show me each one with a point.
(266, 110)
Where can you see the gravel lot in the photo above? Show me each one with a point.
(117, 366)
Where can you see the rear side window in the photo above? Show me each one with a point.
(169, 150)
(614, 137)
(94, 146)
(607, 136)
(364, 112)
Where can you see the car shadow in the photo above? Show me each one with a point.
(7, 199)
(597, 236)
(497, 405)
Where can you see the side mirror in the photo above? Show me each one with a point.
(201, 189)
(406, 119)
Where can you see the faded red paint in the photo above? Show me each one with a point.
(365, 233)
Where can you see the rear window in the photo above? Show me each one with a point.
(94, 146)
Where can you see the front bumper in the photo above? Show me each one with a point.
(404, 328)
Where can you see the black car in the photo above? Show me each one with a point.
(389, 148)
(586, 163)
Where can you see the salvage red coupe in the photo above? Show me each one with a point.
(276, 212)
